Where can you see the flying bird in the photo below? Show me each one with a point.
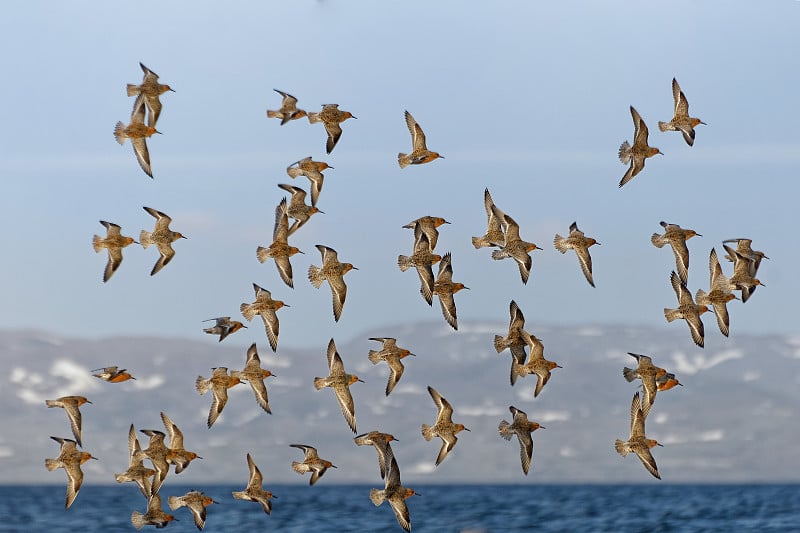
(681, 121)
(636, 154)
(162, 237)
(419, 151)
(114, 242)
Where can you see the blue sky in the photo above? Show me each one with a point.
(530, 100)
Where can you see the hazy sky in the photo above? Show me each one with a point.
(529, 99)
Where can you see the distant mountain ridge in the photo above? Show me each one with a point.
(735, 420)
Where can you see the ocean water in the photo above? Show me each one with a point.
(439, 508)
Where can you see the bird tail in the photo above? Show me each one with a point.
(52, 464)
(262, 254)
(478, 242)
(701, 297)
(133, 89)
(247, 311)
(239, 495)
(297, 466)
(427, 431)
(499, 254)
(560, 244)
(144, 239)
(97, 243)
(374, 357)
(274, 114)
(320, 383)
(52, 403)
(137, 519)
(119, 133)
(504, 430)
(313, 118)
(202, 384)
(174, 502)
(621, 448)
(499, 343)
(657, 240)
(294, 172)
(629, 374)
(665, 126)
(404, 262)
(625, 153)
(671, 314)
(377, 496)
(315, 276)
(403, 160)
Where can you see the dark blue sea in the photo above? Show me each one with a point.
(440, 508)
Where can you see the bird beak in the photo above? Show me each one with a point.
(354, 268)
(334, 466)
(286, 305)
(360, 380)
(467, 429)
(542, 427)
(318, 211)
(659, 444)
(660, 152)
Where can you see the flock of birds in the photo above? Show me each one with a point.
(502, 235)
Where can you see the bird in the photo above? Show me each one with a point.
(444, 428)
(522, 428)
(332, 117)
(681, 121)
(311, 463)
(445, 288)
(138, 132)
(423, 260)
(516, 340)
(687, 310)
(636, 154)
(676, 237)
(113, 374)
(114, 242)
(280, 250)
(536, 364)
(149, 90)
(333, 271)
(162, 237)
(298, 210)
(255, 375)
(70, 459)
(288, 111)
(223, 326)
(744, 269)
(381, 442)
(494, 235)
(218, 383)
(265, 306)
(155, 515)
(340, 382)
(393, 355)
(744, 247)
(428, 224)
(196, 501)
(514, 246)
(254, 492)
(719, 293)
(577, 241)
(419, 151)
(637, 442)
(396, 494)
(648, 373)
(313, 171)
(178, 455)
(71, 405)
(158, 453)
(136, 471)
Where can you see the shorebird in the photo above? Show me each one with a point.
(313, 171)
(114, 242)
(254, 492)
(136, 471)
(340, 382)
(155, 516)
(255, 375)
(744, 247)
(149, 90)
(681, 121)
(333, 272)
(419, 151)
(196, 501)
(428, 225)
(158, 453)
(719, 293)
(298, 210)
(288, 110)
(280, 250)
(392, 354)
(445, 288)
(522, 428)
(311, 463)
(649, 374)
(223, 326)
(636, 154)
(577, 241)
(423, 260)
(70, 459)
(494, 235)
(676, 237)
(112, 374)
(218, 383)
(137, 131)
(444, 428)
(381, 442)
(516, 340)
(637, 442)
(536, 364)
(332, 117)
(396, 494)
(686, 310)
(744, 269)
(178, 455)
(162, 237)
(514, 246)
(71, 405)
(265, 306)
